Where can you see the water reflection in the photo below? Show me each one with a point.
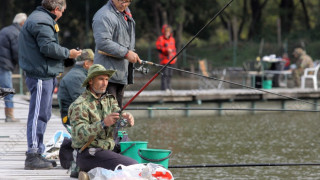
(262, 138)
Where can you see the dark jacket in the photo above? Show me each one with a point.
(9, 46)
(70, 87)
(40, 54)
(114, 34)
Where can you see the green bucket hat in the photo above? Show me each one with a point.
(97, 70)
(87, 54)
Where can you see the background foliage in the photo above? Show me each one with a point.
(247, 28)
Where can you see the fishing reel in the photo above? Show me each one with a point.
(122, 123)
(6, 91)
(143, 68)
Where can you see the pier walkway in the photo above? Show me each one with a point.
(13, 144)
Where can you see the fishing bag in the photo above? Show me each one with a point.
(66, 153)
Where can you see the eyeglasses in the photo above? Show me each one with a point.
(125, 1)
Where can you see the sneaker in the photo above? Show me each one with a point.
(53, 162)
(83, 176)
(34, 161)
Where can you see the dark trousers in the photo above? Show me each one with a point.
(40, 108)
(102, 158)
(117, 90)
(166, 78)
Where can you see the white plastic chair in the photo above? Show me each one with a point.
(310, 73)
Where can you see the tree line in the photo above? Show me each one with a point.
(244, 20)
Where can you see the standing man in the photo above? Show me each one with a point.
(9, 59)
(114, 34)
(70, 87)
(166, 45)
(41, 57)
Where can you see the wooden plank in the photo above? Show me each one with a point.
(13, 145)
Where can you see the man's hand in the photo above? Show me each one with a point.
(111, 119)
(129, 117)
(133, 57)
(74, 53)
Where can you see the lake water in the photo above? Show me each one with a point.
(243, 139)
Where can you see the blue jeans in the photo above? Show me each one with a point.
(40, 108)
(6, 82)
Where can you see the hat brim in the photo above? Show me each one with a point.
(98, 73)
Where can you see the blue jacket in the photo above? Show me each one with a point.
(9, 46)
(115, 36)
(70, 87)
(40, 54)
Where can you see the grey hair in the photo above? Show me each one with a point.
(52, 4)
(19, 18)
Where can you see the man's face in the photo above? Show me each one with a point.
(58, 12)
(99, 83)
(121, 5)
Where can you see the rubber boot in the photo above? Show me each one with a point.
(34, 161)
(9, 115)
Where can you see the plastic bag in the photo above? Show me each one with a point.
(53, 146)
(132, 170)
(149, 171)
(156, 172)
(105, 174)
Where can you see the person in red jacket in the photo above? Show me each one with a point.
(166, 45)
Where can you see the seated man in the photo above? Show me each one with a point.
(95, 114)
(303, 61)
(70, 87)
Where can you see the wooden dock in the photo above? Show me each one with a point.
(220, 99)
(214, 95)
(145, 104)
(13, 145)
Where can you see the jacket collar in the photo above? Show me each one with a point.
(94, 96)
(81, 68)
(126, 12)
(16, 25)
(40, 8)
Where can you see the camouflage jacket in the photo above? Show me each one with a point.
(85, 114)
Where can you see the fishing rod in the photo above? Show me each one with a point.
(218, 109)
(222, 80)
(6, 91)
(243, 165)
(157, 74)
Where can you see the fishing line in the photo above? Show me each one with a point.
(218, 109)
(230, 82)
(243, 165)
(157, 74)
